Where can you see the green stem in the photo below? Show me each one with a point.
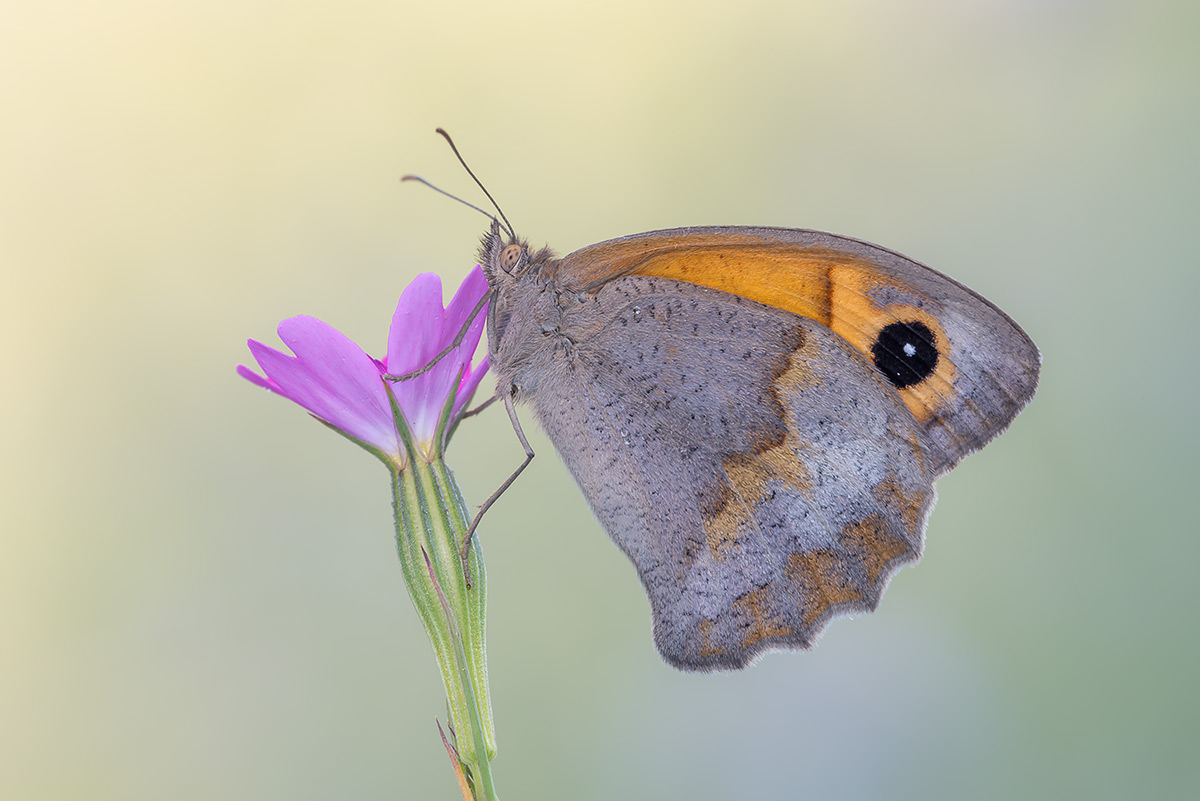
(483, 769)
(430, 523)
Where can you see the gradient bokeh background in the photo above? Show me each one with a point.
(199, 596)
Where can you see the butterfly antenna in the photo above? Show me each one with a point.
(439, 190)
(479, 183)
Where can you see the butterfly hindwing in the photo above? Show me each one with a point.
(760, 474)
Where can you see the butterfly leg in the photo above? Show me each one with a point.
(459, 337)
(516, 424)
(480, 407)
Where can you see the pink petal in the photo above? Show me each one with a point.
(470, 378)
(415, 334)
(254, 378)
(473, 287)
(468, 386)
(423, 397)
(420, 330)
(332, 378)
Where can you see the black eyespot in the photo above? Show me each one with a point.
(905, 352)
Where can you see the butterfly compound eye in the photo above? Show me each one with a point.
(509, 258)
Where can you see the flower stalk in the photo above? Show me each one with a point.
(431, 520)
(407, 425)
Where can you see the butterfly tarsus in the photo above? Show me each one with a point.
(480, 407)
(516, 424)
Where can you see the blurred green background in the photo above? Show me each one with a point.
(199, 596)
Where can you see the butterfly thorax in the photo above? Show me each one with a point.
(525, 314)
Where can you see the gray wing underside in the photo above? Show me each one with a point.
(759, 473)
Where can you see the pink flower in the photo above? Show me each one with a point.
(341, 385)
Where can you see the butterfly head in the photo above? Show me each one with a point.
(501, 256)
(506, 259)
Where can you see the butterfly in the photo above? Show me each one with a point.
(757, 416)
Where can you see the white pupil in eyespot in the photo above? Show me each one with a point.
(910, 349)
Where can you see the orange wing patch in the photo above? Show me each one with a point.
(876, 546)
(825, 581)
(763, 624)
(749, 475)
(707, 649)
(771, 275)
(779, 275)
(834, 288)
(823, 584)
(858, 320)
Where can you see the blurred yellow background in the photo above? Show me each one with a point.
(199, 596)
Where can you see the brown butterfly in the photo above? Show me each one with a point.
(756, 415)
